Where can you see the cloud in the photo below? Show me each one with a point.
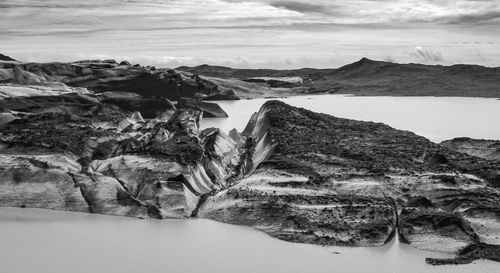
(427, 55)
(304, 7)
(267, 32)
(389, 58)
(477, 18)
(228, 13)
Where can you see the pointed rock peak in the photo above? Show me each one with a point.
(364, 59)
(361, 63)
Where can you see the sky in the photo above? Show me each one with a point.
(253, 33)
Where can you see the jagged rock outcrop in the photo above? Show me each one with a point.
(487, 149)
(73, 152)
(309, 177)
(109, 75)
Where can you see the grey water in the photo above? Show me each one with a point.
(42, 241)
(436, 118)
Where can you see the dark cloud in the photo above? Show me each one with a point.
(49, 5)
(479, 18)
(303, 7)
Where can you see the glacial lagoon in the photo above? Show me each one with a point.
(436, 118)
(44, 241)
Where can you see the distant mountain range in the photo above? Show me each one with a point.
(363, 78)
(369, 77)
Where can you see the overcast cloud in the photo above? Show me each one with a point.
(251, 33)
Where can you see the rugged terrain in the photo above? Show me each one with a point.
(488, 149)
(298, 175)
(109, 75)
(73, 152)
(365, 77)
(319, 179)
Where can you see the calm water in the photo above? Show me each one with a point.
(437, 118)
(59, 242)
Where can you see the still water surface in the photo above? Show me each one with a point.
(437, 118)
(42, 241)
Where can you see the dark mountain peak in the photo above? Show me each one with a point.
(203, 67)
(364, 62)
(363, 67)
(6, 58)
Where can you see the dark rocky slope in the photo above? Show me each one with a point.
(5, 58)
(309, 177)
(365, 77)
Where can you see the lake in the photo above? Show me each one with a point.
(436, 118)
(46, 241)
(34, 240)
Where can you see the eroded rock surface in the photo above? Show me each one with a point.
(309, 177)
(109, 75)
(488, 149)
(73, 152)
(149, 107)
(298, 175)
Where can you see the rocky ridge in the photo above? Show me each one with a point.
(108, 75)
(365, 77)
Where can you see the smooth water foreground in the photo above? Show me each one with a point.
(436, 118)
(46, 241)
(43, 241)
